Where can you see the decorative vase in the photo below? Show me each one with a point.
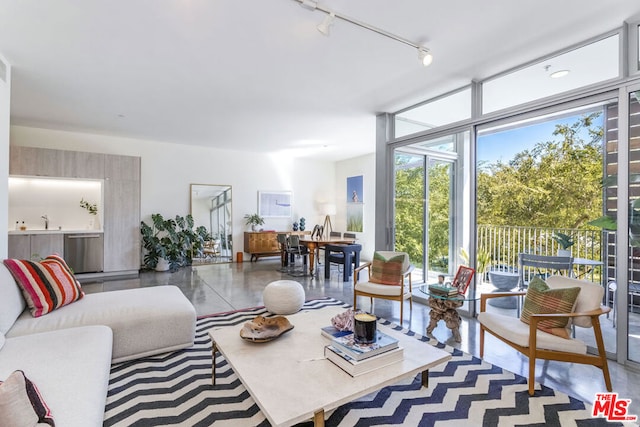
(295, 226)
(253, 227)
(302, 221)
(564, 252)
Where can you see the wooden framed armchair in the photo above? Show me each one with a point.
(387, 279)
(534, 343)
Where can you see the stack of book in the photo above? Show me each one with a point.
(442, 290)
(357, 359)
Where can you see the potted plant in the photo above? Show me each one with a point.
(171, 243)
(254, 220)
(565, 241)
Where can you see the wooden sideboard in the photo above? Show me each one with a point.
(265, 243)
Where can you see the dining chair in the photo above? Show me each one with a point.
(389, 278)
(345, 255)
(332, 234)
(295, 249)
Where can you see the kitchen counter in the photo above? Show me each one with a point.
(53, 231)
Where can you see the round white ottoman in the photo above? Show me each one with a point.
(283, 297)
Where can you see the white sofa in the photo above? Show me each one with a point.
(68, 352)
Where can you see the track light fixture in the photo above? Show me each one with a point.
(424, 54)
(326, 24)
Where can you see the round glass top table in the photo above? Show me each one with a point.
(445, 307)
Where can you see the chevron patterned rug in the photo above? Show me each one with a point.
(175, 390)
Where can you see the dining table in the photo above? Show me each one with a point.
(314, 243)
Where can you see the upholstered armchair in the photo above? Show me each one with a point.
(543, 337)
(387, 279)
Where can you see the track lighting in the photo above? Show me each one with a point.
(326, 24)
(425, 56)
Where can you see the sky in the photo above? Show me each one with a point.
(506, 144)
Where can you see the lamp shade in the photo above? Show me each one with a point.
(329, 209)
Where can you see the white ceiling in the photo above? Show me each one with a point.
(256, 74)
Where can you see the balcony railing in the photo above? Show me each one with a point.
(504, 243)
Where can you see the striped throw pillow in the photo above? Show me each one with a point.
(388, 268)
(21, 403)
(45, 285)
(541, 299)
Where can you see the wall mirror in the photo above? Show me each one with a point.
(211, 208)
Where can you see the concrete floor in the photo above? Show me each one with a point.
(218, 288)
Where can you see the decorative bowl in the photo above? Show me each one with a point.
(264, 329)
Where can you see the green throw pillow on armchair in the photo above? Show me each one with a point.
(388, 268)
(541, 299)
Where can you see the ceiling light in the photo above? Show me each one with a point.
(423, 53)
(309, 4)
(326, 24)
(425, 56)
(558, 74)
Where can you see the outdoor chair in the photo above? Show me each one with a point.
(534, 343)
(542, 266)
(633, 291)
(387, 279)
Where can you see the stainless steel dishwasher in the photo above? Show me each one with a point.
(84, 252)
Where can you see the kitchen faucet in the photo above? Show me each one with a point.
(46, 221)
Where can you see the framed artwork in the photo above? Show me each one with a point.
(463, 278)
(275, 204)
(355, 201)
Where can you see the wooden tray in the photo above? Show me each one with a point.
(264, 329)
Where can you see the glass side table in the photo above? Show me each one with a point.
(445, 308)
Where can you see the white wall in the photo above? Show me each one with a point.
(5, 107)
(365, 166)
(169, 169)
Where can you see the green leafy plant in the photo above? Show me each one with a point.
(92, 208)
(254, 219)
(175, 240)
(564, 240)
(483, 260)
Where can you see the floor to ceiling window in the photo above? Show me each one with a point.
(540, 157)
(424, 206)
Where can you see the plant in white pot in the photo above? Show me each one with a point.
(254, 220)
(565, 241)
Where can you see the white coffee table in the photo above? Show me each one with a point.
(290, 379)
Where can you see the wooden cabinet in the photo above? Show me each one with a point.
(33, 161)
(261, 244)
(265, 243)
(121, 213)
(35, 246)
(121, 216)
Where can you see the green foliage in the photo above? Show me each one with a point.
(92, 208)
(254, 219)
(564, 240)
(409, 207)
(556, 184)
(483, 260)
(172, 239)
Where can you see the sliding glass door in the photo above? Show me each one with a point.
(423, 206)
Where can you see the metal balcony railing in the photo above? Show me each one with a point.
(504, 243)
